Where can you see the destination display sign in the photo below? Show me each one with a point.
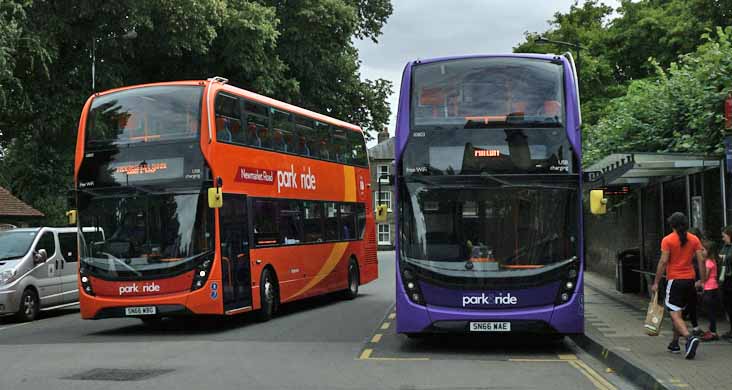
(141, 165)
(146, 170)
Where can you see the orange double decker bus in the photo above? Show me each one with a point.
(216, 200)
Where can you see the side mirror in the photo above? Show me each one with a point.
(71, 215)
(215, 198)
(598, 202)
(381, 213)
(41, 256)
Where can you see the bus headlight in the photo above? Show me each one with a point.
(568, 284)
(200, 274)
(411, 286)
(86, 285)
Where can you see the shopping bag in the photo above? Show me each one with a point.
(654, 317)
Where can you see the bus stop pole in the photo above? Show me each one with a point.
(723, 186)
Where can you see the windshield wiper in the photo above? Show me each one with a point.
(125, 265)
(545, 240)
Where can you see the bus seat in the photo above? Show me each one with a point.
(192, 124)
(264, 140)
(252, 136)
(552, 108)
(324, 152)
(278, 142)
(302, 147)
(222, 129)
(235, 128)
(518, 108)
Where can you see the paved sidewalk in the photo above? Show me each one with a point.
(615, 321)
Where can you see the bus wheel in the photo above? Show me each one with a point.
(28, 310)
(267, 295)
(353, 280)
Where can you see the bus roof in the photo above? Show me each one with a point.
(246, 94)
(547, 57)
(288, 107)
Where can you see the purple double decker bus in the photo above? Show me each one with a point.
(488, 186)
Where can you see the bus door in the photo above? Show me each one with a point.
(235, 270)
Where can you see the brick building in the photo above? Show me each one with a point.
(381, 159)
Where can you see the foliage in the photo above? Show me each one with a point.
(680, 110)
(297, 51)
(585, 25)
(640, 89)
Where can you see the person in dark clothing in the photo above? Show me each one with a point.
(725, 276)
(711, 289)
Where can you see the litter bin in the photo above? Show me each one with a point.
(627, 281)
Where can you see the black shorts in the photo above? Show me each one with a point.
(678, 293)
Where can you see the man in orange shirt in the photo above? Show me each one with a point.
(677, 251)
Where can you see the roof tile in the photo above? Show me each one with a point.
(12, 206)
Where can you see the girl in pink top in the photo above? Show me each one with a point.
(711, 290)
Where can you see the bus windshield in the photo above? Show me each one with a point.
(145, 235)
(145, 114)
(487, 92)
(499, 227)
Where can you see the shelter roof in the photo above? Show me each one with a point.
(643, 168)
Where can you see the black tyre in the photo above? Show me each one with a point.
(354, 279)
(29, 306)
(268, 295)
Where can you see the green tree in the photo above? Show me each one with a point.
(585, 25)
(678, 110)
(297, 51)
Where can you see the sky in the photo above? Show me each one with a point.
(435, 28)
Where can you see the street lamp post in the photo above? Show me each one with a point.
(128, 35)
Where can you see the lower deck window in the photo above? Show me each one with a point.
(291, 222)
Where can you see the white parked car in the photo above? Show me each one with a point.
(38, 270)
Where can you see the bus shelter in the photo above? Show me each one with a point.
(643, 190)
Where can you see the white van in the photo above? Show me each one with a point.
(38, 270)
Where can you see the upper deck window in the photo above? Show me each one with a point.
(145, 114)
(276, 129)
(488, 92)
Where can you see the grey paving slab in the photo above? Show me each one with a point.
(617, 322)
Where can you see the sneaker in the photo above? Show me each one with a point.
(710, 336)
(691, 344)
(697, 332)
(673, 347)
